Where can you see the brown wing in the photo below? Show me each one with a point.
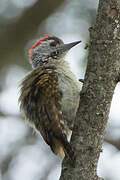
(41, 101)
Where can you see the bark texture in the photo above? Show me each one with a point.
(102, 75)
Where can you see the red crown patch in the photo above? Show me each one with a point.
(38, 42)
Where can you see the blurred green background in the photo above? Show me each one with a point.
(23, 153)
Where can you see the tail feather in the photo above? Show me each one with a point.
(63, 149)
(58, 148)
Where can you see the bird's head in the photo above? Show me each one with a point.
(48, 50)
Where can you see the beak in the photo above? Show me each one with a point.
(68, 46)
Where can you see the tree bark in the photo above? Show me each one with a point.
(102, 75)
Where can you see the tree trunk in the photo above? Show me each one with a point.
(102, 75)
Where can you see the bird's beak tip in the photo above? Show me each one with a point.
(68, 46)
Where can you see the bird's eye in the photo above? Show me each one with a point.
(55, 54)
(53, 44)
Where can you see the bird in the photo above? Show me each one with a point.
(50, 94)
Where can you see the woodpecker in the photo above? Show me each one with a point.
(50, 94)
